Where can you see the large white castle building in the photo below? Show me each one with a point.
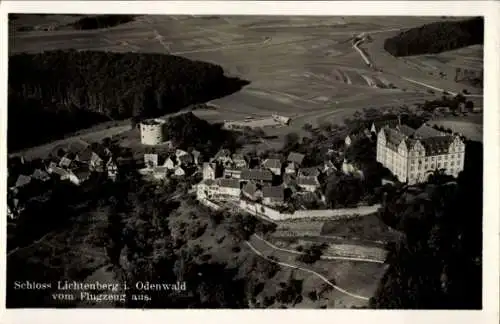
(412, 155)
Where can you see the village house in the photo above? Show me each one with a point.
(296, 158)
(274, 165)
(65, 162)
(273, 195)
(40, 175)
(329, 167)
(251, 191)
(80, 175)
(160, 173)
(228, 188)
(308, 183)
(207, 188)
(223, 156)
(257, 175)
(239, 161)
(211, 170)
(112, 169)
(185, 159)
(22, 181)
(291, 168)
(196, 157)
(179, 171)
(59, 172)
(170, 163)
(232, 173)
(151, 160)
(309, 172)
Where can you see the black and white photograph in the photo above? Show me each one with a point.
(160, 161)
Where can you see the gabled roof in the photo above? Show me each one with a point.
(295, 157)
(180, 152)
(307, 181)
(425, 131)
(239, 157)
(77, 146)
(309, 172)
(223, 153)
(196, 154)
(406, 130)
(292, 166)
(276, 192)
(437, 145)
(40, 175)
(393, 138)
(272, 163)
(208, 182)
(228, 183)
(85, 155)
(59, 171)
(250, 188)
(186, 158)
(22, 180)
(81, 173)
(256, 174)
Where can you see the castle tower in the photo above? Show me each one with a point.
(152, 131)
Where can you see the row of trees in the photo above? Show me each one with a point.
(101, 21)
(436, 37)
(57, 91)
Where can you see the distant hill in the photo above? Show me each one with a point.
(437, 37)
(57, 92)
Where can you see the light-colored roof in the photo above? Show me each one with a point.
(271, 163)
(22, 180)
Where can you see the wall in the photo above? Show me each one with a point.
(331, 214)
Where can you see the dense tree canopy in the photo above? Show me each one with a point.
(101, 21)
(436, 37)
(52, 93)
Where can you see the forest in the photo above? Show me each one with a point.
(101, 21)
(436, 37)
(56, 92)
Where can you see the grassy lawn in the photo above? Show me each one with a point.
(367, 228)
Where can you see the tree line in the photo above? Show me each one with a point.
(55, 92)
(436, 37)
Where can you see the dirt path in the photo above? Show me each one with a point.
(325, 257)
(287, 265)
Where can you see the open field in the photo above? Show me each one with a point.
(468, 126)
(302, 67)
